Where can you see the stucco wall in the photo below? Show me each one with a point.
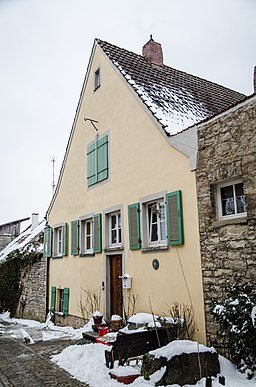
(142, 163)
(227, 150)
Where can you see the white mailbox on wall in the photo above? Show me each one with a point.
(127, 281)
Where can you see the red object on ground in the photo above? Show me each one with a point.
(128, 379)
(100, 341)
(103, 331)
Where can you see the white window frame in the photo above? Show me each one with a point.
(232, 183)
(97, 79)
(84, 235)
(157, 204)
(117, 228)
(58, 241)
(145, 202)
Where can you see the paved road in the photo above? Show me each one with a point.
(30, 365)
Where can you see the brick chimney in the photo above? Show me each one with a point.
(34, 220)
(152, 51)
(254, 80)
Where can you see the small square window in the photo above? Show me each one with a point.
(97, 79)
(231, 200)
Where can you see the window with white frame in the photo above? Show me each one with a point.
(59, 240)
(86, 236)
(231, 200)
(115, 229)
(156, 223)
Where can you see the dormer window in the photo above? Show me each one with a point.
(97, 79)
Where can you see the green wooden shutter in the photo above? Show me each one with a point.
(174, 218)
(102, 158)
(134, 226)
(64, 239)
(47, 242)
(66, 301)
(97, 234)
(91, 165)
(75, 226)
(53, 299)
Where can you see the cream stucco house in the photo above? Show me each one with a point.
(125, 205)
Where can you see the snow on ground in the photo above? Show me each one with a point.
(87, 362)
(42, 331)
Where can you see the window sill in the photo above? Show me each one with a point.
(61, 314)
(57, 256)
(114, 248)
(227, 222)
(155, 248)
(92, 254)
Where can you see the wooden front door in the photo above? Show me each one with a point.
(116, 286)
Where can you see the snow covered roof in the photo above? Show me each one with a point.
(22, 240)
(177, 100)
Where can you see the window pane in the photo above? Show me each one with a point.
(227, 200)
(113, 237)
(88, 242)
(119, 235)
(240, 198)
(163, 231)
(113, 221)
(154, 236)
(88, 228)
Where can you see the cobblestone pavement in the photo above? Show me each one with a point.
(30, 365)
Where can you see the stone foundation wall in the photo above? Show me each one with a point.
(227, 150)
(33, 298)
(74, 321)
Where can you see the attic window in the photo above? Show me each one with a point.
(97, 79)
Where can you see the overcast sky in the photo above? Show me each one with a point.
(44, 51)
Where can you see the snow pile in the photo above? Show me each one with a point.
(253, 316)
(87, 364)
(48, 329)
(177, 347)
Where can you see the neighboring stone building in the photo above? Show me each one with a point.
(9, 231)
(33, 279)
(226, 186)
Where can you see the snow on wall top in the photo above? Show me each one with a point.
(176, 99)
(22, 240)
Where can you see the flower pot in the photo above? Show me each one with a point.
(102, 331)
(127, 379)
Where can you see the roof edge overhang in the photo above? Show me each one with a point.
(187, 140)
(72, 129)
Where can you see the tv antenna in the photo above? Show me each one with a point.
(53, 179)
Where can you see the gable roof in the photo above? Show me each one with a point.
(177, 100)
(22, 240)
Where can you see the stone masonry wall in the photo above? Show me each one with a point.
(5, 239)
(227, 150)
(33, 298)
